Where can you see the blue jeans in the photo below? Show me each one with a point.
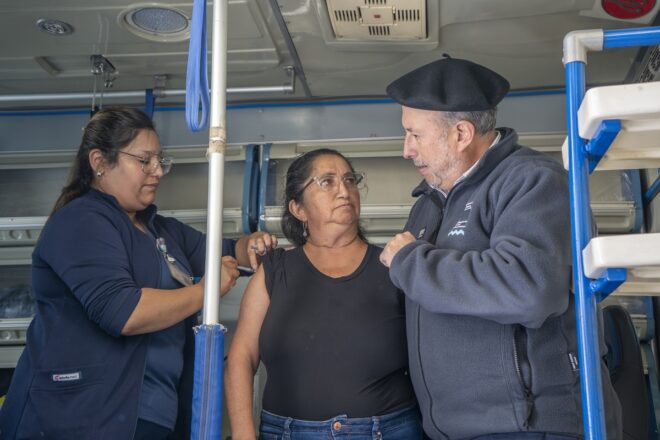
(400, 425)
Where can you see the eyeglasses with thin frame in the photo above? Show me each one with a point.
(330, 182)
(150, 162)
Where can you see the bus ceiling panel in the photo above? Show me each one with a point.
(38, 61)
(520, 40)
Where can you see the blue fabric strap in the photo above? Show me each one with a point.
(197, 81)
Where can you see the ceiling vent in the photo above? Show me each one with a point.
(378, 20)
(156, 22)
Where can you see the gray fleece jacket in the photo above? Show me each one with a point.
(490, 317)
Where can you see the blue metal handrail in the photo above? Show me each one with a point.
(652, 191)
(149, 102)
(575, 47)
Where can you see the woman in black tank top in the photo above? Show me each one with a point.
(325, 320)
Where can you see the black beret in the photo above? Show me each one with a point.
(450, 85)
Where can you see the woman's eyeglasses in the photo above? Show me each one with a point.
(330, 182)
(150, 162)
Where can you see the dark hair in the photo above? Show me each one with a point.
(297, 176)
(108, 131)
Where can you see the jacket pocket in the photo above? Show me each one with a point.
(66, 401)
(524, 403)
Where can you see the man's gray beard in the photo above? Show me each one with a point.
(437, 183)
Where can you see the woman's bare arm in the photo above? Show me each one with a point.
(243, 359)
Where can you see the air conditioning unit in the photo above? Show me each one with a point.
(378, 20)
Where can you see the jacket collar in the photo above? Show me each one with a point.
(147, 215)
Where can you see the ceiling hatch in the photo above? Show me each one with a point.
(380, 20)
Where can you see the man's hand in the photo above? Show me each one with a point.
(228, 274)
(394, 246)
(258, 244)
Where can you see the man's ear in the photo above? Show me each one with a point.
(466, 132)
(97, 161)
(297, 210)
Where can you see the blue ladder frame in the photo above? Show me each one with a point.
(587, 291)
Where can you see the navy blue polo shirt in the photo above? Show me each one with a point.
(159, 397)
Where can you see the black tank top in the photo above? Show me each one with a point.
(333, 346)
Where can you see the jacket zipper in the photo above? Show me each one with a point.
(419, 343)
(520, 358)
(421, 370)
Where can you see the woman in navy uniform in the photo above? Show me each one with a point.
(109, 352)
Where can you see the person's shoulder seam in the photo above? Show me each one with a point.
(528, 164)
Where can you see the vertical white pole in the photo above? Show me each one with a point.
(216, 157)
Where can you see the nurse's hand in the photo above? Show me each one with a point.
(258, 244)
(394, 246)
(228, 274)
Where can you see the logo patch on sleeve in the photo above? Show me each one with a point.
(67, 377)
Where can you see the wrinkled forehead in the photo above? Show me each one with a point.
(330, 164)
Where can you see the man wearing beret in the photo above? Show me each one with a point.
(485, 267)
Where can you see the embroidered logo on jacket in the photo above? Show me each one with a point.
(459, 227)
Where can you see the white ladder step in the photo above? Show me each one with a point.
(637, 106)
(638, 252)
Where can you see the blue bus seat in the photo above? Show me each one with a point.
(624, 362)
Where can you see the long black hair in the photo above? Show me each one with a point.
(297, 176)
(108, 131)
